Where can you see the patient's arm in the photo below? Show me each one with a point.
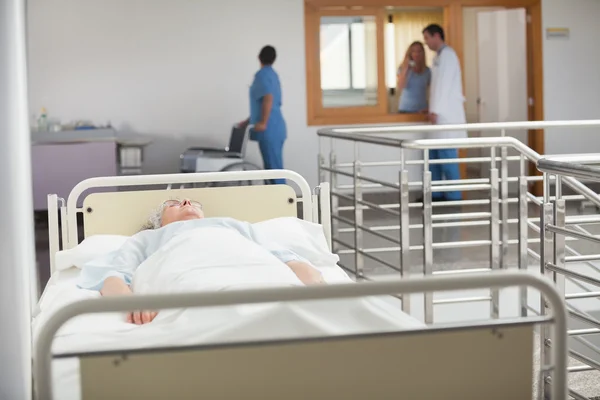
(308, 274)
(114, 286)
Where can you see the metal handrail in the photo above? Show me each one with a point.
(530, 154)
(469, 143)
(507, 126)
(576, 170)
(569, 170)
(552, 220)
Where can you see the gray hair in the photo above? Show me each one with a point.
(155, 219)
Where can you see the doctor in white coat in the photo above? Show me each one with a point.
(446, 106)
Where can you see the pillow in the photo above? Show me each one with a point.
(303, 238)
(91, 248)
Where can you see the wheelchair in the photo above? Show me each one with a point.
(230, 158)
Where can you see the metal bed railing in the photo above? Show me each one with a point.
(557, 316)
(376, 218)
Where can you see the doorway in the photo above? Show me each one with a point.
(496, 72)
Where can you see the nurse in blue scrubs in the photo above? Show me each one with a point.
(265, 113)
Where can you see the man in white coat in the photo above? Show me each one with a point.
(446, 106)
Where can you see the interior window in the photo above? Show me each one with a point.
(348, 61)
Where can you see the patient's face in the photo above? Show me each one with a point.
(176, 210)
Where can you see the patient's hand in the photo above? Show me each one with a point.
(308, 274)
(141, 317)
(114, 286)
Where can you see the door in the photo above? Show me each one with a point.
(502, 70)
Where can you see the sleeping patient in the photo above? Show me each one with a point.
(171, 254)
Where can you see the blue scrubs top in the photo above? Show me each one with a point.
(414, 95)
(266, 81)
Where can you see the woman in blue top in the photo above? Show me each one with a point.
(414, 78)
(265, 112)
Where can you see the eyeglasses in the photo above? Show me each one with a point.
(173, 203)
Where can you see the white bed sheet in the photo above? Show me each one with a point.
(162, 272)
(274, 321)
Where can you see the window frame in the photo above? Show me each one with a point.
(313, 37)
(351, 77)
(379, 113)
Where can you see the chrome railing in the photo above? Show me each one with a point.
(556, 264)
(404, 235)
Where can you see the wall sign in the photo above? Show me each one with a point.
(557, 33)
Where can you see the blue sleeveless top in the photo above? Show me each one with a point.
(414, 96)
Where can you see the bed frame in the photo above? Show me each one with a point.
(452, 361)
(124, 212)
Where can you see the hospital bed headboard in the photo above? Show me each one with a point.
(466, 364)
(125, 212)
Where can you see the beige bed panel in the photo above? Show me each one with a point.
(124, 213)
(469, 364)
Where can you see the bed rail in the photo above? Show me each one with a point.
(53, 230)
(557, 315)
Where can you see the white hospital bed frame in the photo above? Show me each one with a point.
(460, 360)
(125, 212)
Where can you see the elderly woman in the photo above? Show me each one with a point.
(113, 273)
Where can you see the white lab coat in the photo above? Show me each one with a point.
(446, 98)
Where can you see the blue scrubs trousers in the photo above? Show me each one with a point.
(272, 154)
(444, 171)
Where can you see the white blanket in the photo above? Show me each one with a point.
(212, 260)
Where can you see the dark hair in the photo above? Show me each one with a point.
(267, 55)
(432, 29)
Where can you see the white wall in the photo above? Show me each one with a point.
(572, 74)
(179, 69)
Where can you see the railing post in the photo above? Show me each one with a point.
(494, 230)
(559, 240)
(334, 199)
(358, 216)
(404, 234)
(523, 239)
(546, 254)
(504, 204)
(427, 234)
(321, 162)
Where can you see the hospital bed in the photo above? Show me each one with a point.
(412, 361)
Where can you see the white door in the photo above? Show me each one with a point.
(502, 70)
